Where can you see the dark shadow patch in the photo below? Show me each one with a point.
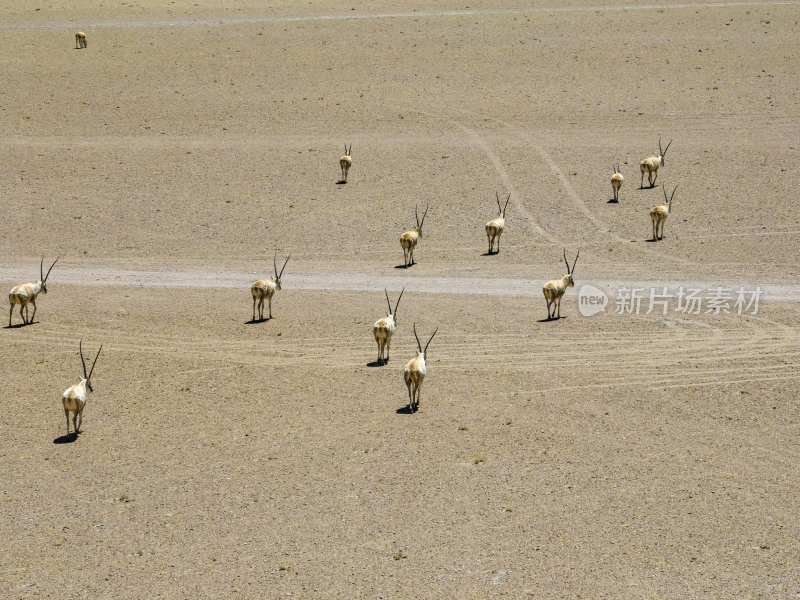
(66, 439)
(341, 182)
(257, 321)
(405, 410)
(375, 363)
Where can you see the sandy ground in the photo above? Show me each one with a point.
(616, 456)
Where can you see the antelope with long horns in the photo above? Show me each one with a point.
(80, 40)
(651, 164)
(410, 238)
(554, 290)
(264, 289)
(384, 329)
(494, 228)
(659, 214)
(616, 182)
(346, 162)
(414, 372)
(26, 293)
(74, 398)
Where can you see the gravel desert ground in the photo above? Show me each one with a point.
(620, 455)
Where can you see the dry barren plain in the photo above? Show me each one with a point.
(617, 456)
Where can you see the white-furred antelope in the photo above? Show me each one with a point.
(414, 372)
(494, 228)
(650, 165)
(616, 182)
(26, 293)
(410, 238)
(658, 214)
(346, 162)
(80, 40)
(554, 290)
(384, 328)
(74, 398)
(264, 289)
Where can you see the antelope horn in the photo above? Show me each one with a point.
(664, 189)
(416, 336)
(350, 150)
(398, 301)
(345, 149)
(429, 341)
(506, 205)
(387, 301)
(566, 262)
(575, 261)
(673, 194)
(284, 266)
(94, 363)
(41, 270)
(427, 206)
(275, 265)
(80, 349)
(665, 149)
(51, 268)
(416, 215)
(497, 196)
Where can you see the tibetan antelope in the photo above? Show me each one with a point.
(410, 238)
(658, 214)
(265, 289)
(80, 40)
(414, 372)
(74, 398)
(554, 290)
(24, 293)
(384, 328)
(494, 228)
(346, 162)
(650, 165)
(616, 182)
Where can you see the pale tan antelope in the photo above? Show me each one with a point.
(384, 328)
(74, 398)
(80, 40)
(410, 238)
(658, 214)
(554, 290)
(414, 372)
(494, 228)
(650, 165)
(346, 162)
(264, 289)
(616, 182)
(25, 293)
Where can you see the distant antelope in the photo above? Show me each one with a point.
(74, 398)
(24, 293)
(80, 40)
(265, 289)
(616, 182)
(410, 238)
(554, 290)
(494, 228)
(414, 372)
(650, 165)
(658, 214)
(384, 328)
(346, 162)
